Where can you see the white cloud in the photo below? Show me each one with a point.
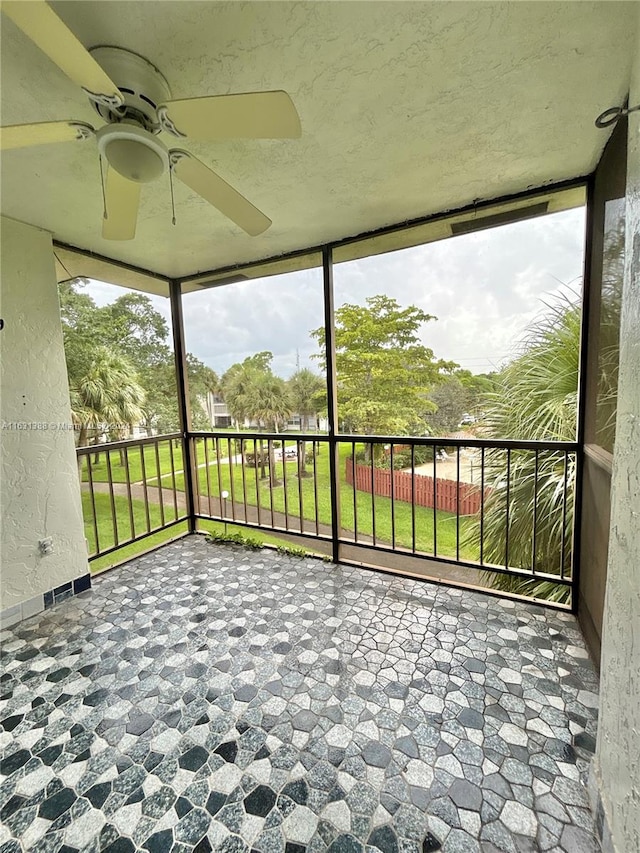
(485, 288)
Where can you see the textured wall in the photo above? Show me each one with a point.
(617, 766)
(40, 494)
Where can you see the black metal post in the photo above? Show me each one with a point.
(184, 410)
(332, 398)
(582, 397)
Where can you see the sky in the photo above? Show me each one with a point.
(484, 288)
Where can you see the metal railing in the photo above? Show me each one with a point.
(130, 490)
(499, 507)
(504, 507)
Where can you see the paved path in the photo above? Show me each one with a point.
(237, 511)
(224, 461)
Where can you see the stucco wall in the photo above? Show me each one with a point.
(39, 488)
(617, 763)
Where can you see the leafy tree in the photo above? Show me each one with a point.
(131, 327)
(305, 394)
(477, 387)
(451, 399)
(203, 383)
(252, 392)
(535, 399)
(141, 332)
(384, 372)
(107, 394)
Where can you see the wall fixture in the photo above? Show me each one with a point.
(611, 116)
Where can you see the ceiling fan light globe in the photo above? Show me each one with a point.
(134, 160)
(133, 152)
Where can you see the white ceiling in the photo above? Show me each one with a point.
(407, 108)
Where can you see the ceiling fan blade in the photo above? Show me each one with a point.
(43, 133)
(202, 180)
(40, 23)
(122, 198)
(254, 115)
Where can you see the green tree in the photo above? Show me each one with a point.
(477, 387)
(107, 398)
(140, 332)
(131, 326)
(384, 372)
(535, 399)
(252, 392)
(451, 399)
(203, 383)
(305, 389)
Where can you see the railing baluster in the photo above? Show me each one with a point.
(413, 498)
(196, 478)
(482, 507)
(284, 484)
(458, 503)
(535, 515)
(145, 492)
(373, 492)
(160, 495)
(173, 480)
(315, 486)
(129, 498)
(271, 454)
(244, 481)
(255, 466)
(564, 513)
(93, 502)
(208, 470)
(355, 500)
(231, 484)
(508, 508)
(112, 499)
(393, 500)
(219, 471)
(301, 463)
(435, 501)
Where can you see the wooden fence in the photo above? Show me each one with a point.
(446, 492)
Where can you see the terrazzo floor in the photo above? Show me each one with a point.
(204, 698)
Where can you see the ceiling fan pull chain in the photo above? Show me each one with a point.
(105, 215)
(173, 203)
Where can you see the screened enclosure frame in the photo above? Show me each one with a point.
(486, 214)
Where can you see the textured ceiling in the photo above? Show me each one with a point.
(406, 109)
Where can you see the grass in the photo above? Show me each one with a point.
(230, 479)
(106, 535)
(100, 472)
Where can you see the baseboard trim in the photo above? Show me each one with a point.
(11, 616)
(599, 811)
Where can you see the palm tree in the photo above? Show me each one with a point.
(254, 393)
(535, 399)
(304, 388)
(108, 393)
(270, 405)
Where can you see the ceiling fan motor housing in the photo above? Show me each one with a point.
(143, 87)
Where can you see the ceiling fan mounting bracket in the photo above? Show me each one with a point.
(175, 156)
(167, 124)
(83, 131)
(141, 84)
(113, 102)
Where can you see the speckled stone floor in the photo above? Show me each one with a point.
(207, 698)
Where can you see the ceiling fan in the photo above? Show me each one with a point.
(133, 97)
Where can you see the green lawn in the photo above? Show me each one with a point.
(99, 470)
(229, 477)
(106, 533)
(216, 482)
